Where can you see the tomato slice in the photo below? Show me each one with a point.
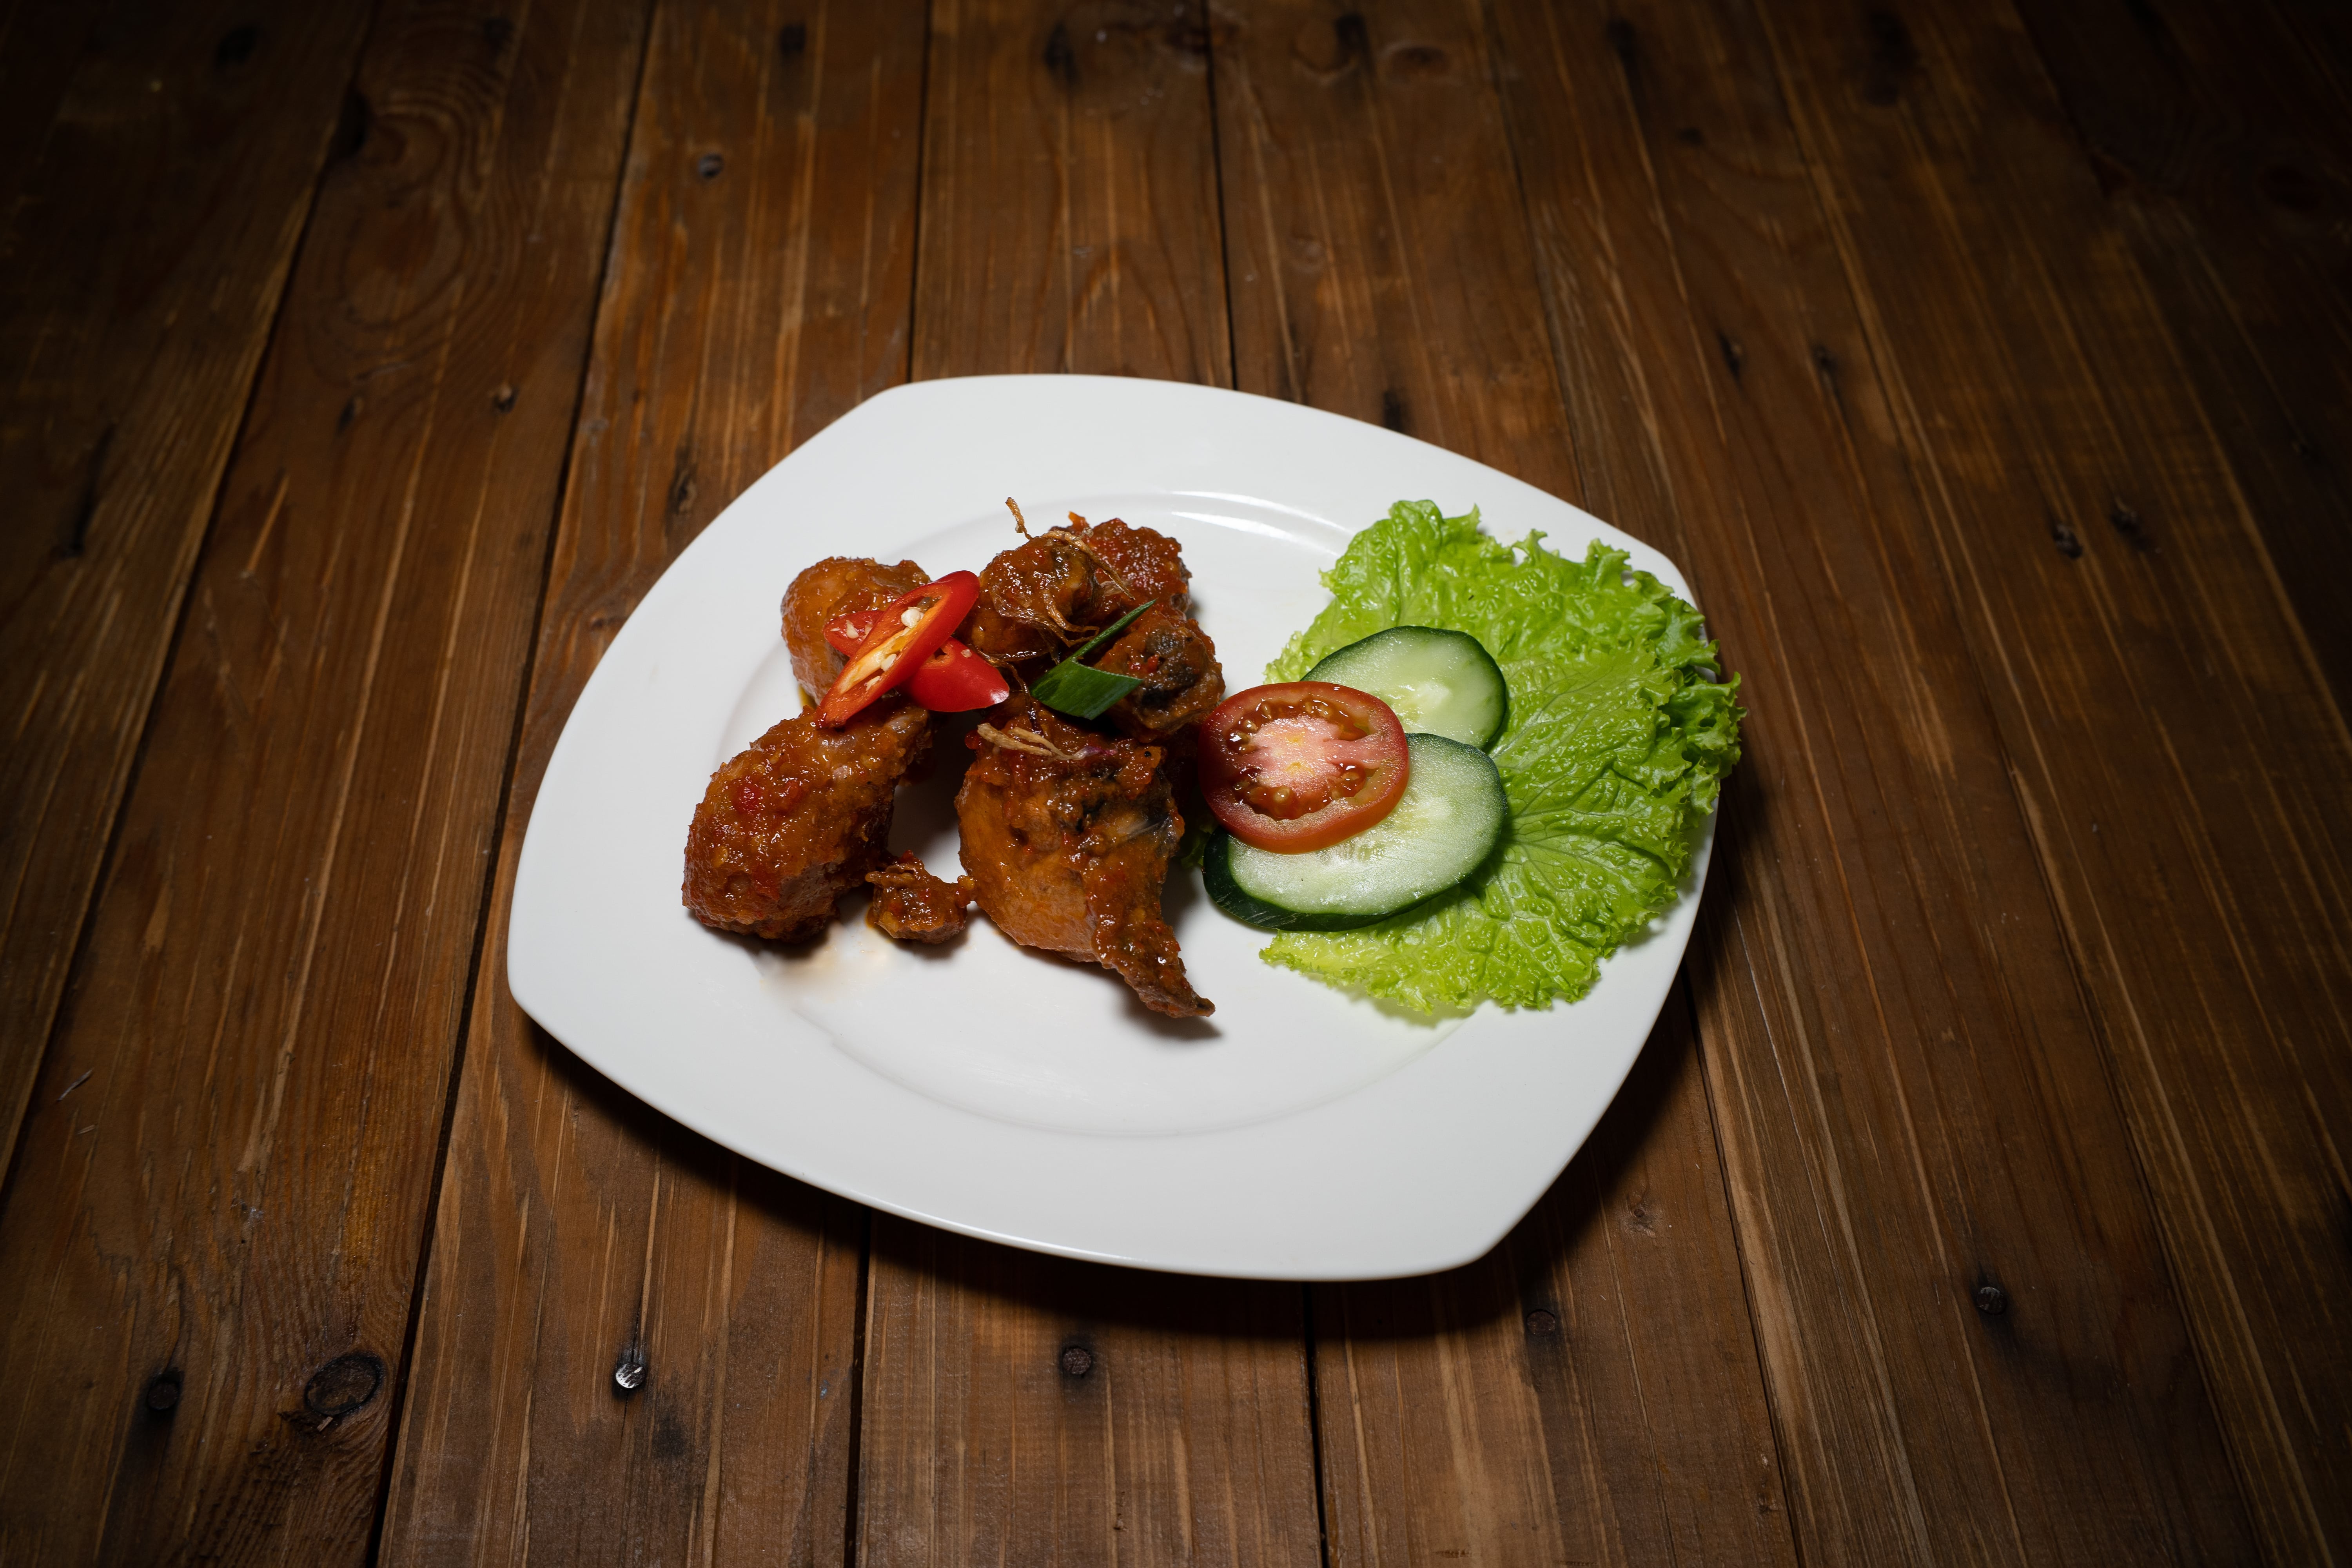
(902, 636)
(1301, 766)
(954, 680)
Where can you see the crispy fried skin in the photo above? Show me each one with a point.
(1067, 838)
(798, 818)
(912, 905)
(832, 587)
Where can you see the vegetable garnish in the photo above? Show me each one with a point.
(1302, 765)
(1620, 732)
(903, 636)
(1077, 689)
(953, 680)
(1443, 828)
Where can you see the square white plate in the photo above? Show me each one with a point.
(1297, 1134)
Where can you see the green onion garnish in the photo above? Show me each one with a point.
(1077, 689)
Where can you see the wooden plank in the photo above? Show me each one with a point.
(2178, 751)
(1590, 1392)
(2223, 148)
(1366, 279)
(1069, 200)
(1021, 1409)
(1070, 222)
(131, 327)
(758, 289)
(209, 1250)
(1912, 1101)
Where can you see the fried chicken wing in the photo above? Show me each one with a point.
(798, 818)
(1066, 839)
(837, 586)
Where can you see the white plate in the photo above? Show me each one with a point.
(1297, 1134)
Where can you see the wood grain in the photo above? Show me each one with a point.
(1589, 1393)
(210, 1242)
(1529, 1407)
(2177, 753)
(1380, 264)
(1911, 1102)
(131, 327)
(2221, 145)
(1070, 223)
(758, 289)
(1069, 200)
(1022, 1408)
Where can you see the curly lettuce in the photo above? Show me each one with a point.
(1620, 733)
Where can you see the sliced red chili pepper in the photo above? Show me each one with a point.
(901, 637)
(954, 680)
(847, 633)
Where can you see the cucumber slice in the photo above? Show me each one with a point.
(1439, 682)
(1448, 821)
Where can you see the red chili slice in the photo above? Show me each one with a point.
(952, 681)
(1301, 766)
(901, 637)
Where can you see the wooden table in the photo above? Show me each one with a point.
(1982, 1194)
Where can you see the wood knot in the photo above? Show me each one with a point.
(236, 46)
(1892, 61)
(1415, 62)
(163, 1395)
(2128, 523)
(343, 1384)
(1076, 1361)
(710, 165)
(791, 41)
(1354, 38)
(2285, 185)
(1543, 1322)
(353, 122)
(1061, 60)
(1327, 49)
(2069, 544)
(1625, 44)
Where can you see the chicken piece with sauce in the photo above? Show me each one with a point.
(1067, 834)
(912, 905)
(800, 817)
(1041, 599)
(837, 586)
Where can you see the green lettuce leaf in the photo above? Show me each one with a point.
(1620, 733)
